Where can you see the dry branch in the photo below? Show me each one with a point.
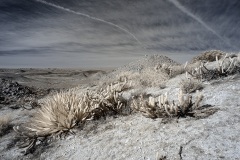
(164, 108)
(228, 65)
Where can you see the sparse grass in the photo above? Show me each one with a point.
(209, 56)
(161, 107)
(60, 113)
(190, 85)
(177, 70)
(228, 65)
(147, 77)
(155, 76)
(170, 70)
(5, 125)
(56, 118)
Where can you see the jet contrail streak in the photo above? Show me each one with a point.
(199, 20)
(93, 18)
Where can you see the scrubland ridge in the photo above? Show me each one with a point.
(154, 108)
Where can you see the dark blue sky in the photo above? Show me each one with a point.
(34, 34)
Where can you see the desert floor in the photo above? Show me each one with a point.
(136, 137)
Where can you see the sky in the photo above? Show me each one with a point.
(92, 33)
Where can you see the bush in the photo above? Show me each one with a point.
(190, 85)
(5, 125)
(60, 113)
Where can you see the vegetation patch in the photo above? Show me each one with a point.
(5, 125)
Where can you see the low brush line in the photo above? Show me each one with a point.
(93, 18)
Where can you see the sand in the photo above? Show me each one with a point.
(134, 136)
(52, 77)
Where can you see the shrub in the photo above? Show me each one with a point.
(209, 56)
(5, 125)
(162, 107)
(190, 85)
(224, 67)
(60, 113)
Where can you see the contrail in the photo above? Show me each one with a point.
(93, 18)
(199, 20)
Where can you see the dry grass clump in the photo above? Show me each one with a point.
(151, 78)
(170, 69)
(148, 77)
(177, 70)
(226, 66)
(162, 107)
(109, 101)
(150, 71)
(230, 64)
(56, 117)
(208, 56)
(190, 85)
(62, 112)
(5, 125)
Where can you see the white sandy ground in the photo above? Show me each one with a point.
(135, 137)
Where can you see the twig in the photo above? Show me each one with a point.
(180, 152)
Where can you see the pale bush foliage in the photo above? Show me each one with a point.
(209, 56)
(151, 77)
(162, 107)
(177, 70)
(228, 65)
(60, 113)
(190, 85)
(147, 77)
(4, 124)
(109, 100)
(56, 117)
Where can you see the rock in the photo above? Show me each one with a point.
(14, 106)
(2, 99)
